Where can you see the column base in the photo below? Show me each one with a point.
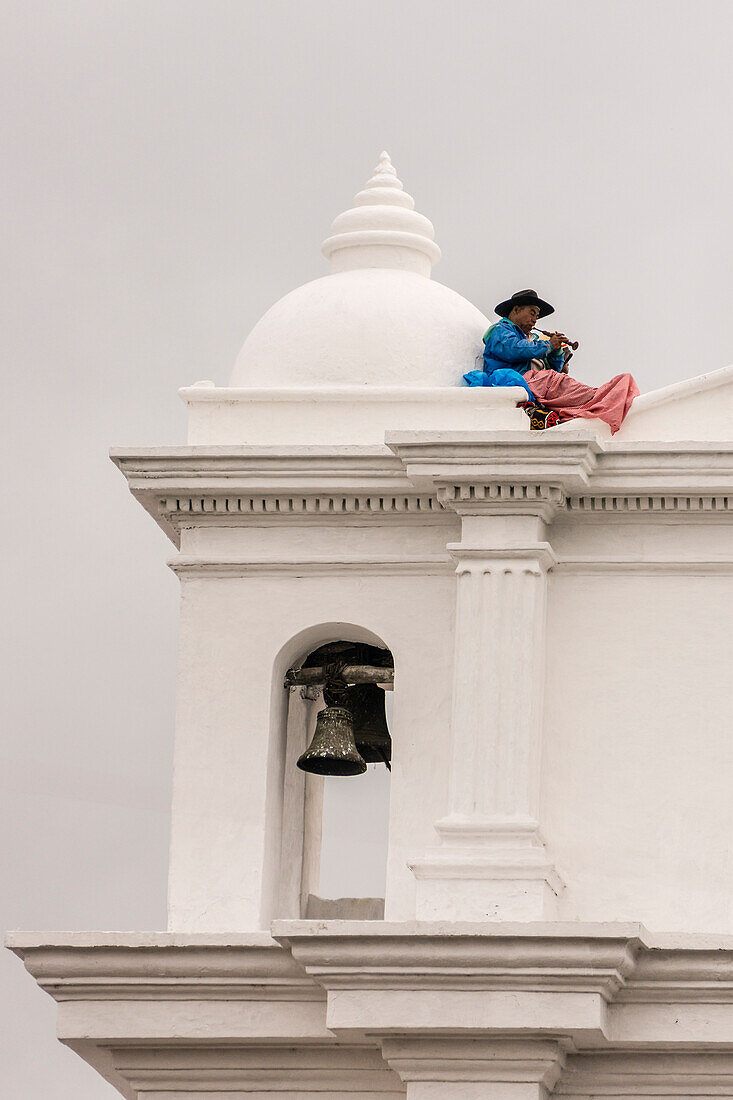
(487, 870)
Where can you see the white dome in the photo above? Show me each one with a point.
(377, 319)
(373, 327)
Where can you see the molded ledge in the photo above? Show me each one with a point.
(341, 415)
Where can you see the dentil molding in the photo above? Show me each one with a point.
(426, 473)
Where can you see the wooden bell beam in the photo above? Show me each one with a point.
(350, 674)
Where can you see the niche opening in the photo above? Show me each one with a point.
(337, 782)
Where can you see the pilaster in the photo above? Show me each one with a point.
(491, 860)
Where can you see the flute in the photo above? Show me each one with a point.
(570, 343)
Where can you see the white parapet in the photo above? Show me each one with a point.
(343, 415)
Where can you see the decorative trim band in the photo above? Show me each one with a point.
(500, 493)
(645, 568)
(296, 504)
(628, 1073)
(459, 498)
(658, 502)
(195, 567)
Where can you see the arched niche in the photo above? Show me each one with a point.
(319, 813)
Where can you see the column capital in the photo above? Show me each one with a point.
(536, 559)
(493, 470)
(476, 498)
(480, 1068)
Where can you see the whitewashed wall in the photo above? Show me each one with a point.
(637, 750)
(636, 760)
(238, 637)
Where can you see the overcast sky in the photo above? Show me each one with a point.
(169, 169)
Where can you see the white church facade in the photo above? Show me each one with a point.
(555, 611)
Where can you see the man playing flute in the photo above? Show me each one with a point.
(515, 355)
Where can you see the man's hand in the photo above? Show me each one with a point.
(555, 342)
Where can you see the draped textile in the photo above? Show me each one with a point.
(570, 398)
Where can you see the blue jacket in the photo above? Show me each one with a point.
(507, 353)
(505, 345)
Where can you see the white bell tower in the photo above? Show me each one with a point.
(553, 613)
(297, 527)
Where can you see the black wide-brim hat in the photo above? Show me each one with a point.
(524, 298)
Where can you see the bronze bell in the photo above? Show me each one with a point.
(367, 705)
(332, 750)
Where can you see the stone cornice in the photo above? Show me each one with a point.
(636, 1074)
(314, 1069)
(665, 975)
(502, 956)
(182, 486)
(494, 471)
(188, 566)
(622, 962)
(564, 460)
(665, 462)
(591, 1009)
(119, 966)
(659, 477)
(263, 471)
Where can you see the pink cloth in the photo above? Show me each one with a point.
(570, 398)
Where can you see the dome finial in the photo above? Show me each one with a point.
(386, 168)
(382, 229)
(384, 176)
